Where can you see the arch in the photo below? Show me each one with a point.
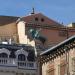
(3, 55)
(3, 50)
(21, 57)
(21, 51)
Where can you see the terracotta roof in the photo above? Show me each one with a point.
(7, 19)
(59, 45)
(31, 19)
(46, 21)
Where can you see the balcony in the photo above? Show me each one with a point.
(9, 62)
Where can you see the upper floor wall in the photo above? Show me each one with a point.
(50, 29)
(8, 32)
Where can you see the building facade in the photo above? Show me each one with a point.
(60, 59)
(17, 60)
(11, 32)
(15, 30)
(53, 31)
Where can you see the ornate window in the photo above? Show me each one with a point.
(21, 52)
(21, 60)
(3, 55)
(21, 57)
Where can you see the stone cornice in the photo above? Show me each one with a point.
(45, 26)
(58, 51)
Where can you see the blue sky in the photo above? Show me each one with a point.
(58, 10)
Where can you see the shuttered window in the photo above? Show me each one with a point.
(62, 69)
(50, 69)
(50, 72)
(73, 65)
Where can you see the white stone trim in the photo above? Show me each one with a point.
(4, 50)
(21, 51)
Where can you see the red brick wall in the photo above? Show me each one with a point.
(53, 36)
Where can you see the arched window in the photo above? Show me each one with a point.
(3, 55)
(21, 57)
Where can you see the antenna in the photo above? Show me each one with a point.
(33, 11)
(62, 23)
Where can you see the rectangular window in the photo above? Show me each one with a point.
(62, 65)
(73, 64)
(62, 69)
(50, 72)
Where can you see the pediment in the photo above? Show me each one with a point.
(40, 19)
